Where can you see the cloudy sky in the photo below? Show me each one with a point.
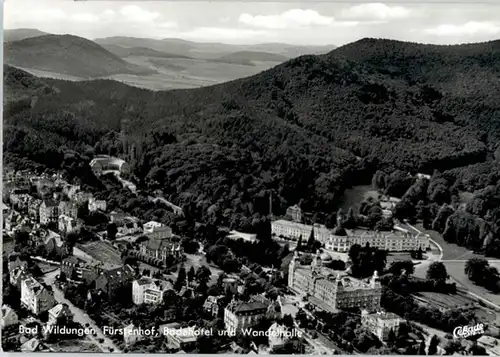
(248, 22)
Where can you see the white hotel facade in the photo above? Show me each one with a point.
(398, 240)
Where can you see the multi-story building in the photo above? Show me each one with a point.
(394, 241)
(160, 249)
(149, 291)
(294, 230)
(49, 212)
(295, 213)
(104, 163)
(381, 323)
(34, 209)
(182, 338)
(97, 205)
(239, 315)
(57, 312)
(109, 281)
(67, 224)
(68, 208)
(330, 290)
(211, 305)
(35, 297)
(157, 230)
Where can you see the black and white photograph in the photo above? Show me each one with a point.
(252, 177)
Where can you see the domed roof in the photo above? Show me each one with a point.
(339, 231)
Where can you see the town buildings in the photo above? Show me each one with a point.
(330, 290)
(35, 297)
(69, 209)
(160, 249)
(294, 213)
(278, 335)
(97, 205)
(58, 312)
(131, 334)
(109, 281)
(182, 338)
(157, 230)
(212, 305)
(294, 230)
(103, 163)
(9, 317)
(67, 224)
(149, 291)
(239, 315)
(393, 241)
(49, 212)
(381, 323)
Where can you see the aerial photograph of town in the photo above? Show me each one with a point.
(306, 178)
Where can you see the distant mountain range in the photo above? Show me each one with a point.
(67, 54)
(143, 62)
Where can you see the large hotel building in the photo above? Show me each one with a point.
(398, 240)
(331, 290)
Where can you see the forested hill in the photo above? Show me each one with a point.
(67, 54)
(293, 130)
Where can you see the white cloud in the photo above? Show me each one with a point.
(85, 17)
(287, 19)
(468, 29)
(375, 11)
(223, 34)
(137, 14)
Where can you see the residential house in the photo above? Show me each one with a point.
(381, 323)
(73, 267)
(67, 224)
(15, 261)
(34, 209)
(97, 205)
(157, 230)
(69, 209)
(109, 281)
(70, 190)
(278, 335)
(131, 335)
(35, 297)
(149, 291)
(18, 275)
(82, 197)
(182, 338)
(239, 315)
(49, 212)
(212, 305)
(32, 345)
(57, 312)
(9, 316)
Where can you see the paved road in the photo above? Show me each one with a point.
(79, 315)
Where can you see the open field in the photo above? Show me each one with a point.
(447, 300)
(102, 251)
(357, 194)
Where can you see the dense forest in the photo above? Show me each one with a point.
(302, 131)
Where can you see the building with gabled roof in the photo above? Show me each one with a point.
(149, 291)
(160, 249)
(239, 315)
(109, 281)
(49, 211)
(59, 311)
(35, 297)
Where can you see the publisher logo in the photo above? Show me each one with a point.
(467, 331)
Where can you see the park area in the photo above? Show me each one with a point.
(357, 194)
